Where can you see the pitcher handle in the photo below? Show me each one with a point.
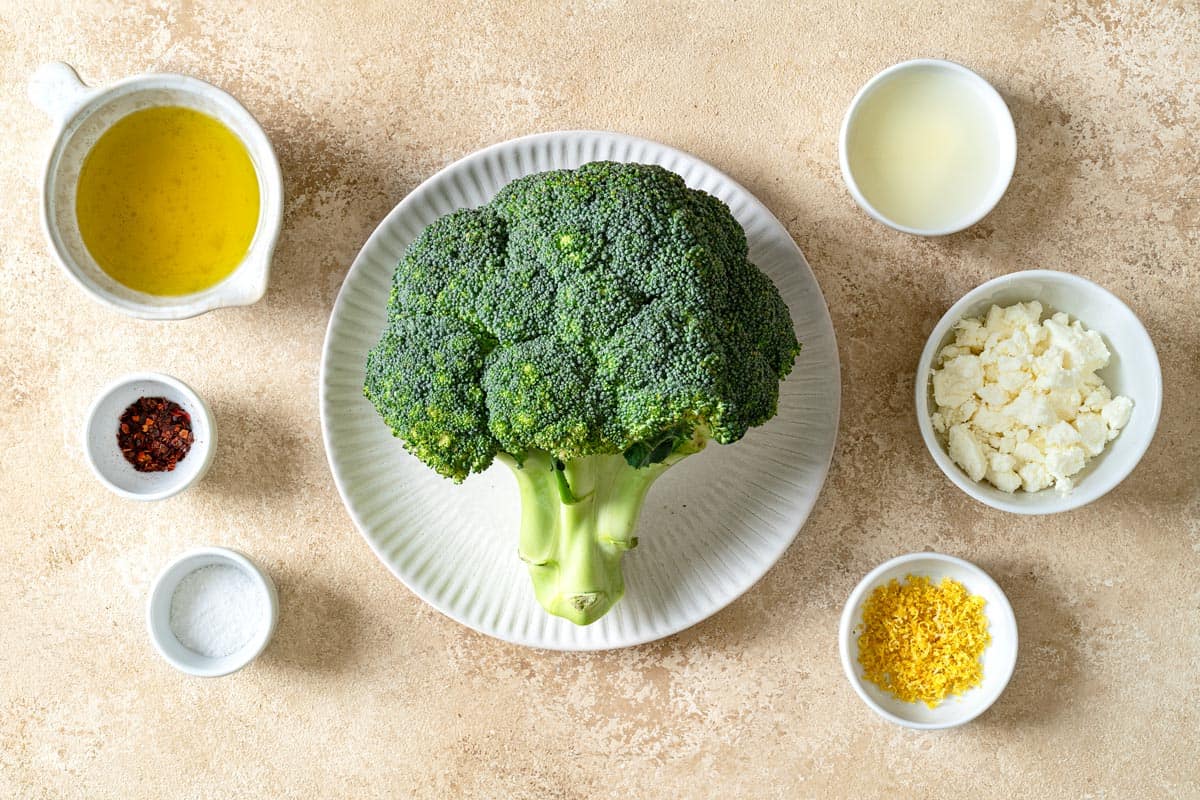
(57, 90)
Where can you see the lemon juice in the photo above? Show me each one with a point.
(924, 148)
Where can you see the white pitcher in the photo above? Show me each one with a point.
(82, 114)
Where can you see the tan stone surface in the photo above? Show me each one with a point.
(365, 692)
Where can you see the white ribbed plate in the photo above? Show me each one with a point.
(712, 525)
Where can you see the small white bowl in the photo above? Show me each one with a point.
(158, 613)
(81, 115)
(999, 659)
(1006, 160)
(105, 457)
(1133, 371)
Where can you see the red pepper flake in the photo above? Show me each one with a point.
(154, 434)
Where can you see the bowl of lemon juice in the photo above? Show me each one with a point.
(162, 196)
(927, 147)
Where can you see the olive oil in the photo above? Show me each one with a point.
(925, 148)
(168, 201)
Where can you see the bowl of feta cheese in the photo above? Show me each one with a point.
(1038, 392)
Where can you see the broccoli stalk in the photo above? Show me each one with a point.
(577, 520)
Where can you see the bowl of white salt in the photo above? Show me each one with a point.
(211, 611)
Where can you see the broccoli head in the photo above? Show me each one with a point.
(588, 328)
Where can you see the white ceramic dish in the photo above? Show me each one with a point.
(711, 526)
(81, 115)
(158, 612)
(1001, 118)
(1133, 371)
(999, 659)
(105, 457)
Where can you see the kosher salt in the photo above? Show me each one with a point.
(215, 610)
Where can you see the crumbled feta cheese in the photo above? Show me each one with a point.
(1065, 462)
(1093, 432)
(1116, 414)
(967, 452)
(1084, 350)
(1019, 401)
(990, 420)
(1031, 410)
(1097, 399)
(959, 379)
(1034, 477)
(1002, 472)
(1065, 402)
(1007, 481)
(970, 335)
(1062, 435)
(993, 394)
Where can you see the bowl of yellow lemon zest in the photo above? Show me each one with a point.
(928, 640)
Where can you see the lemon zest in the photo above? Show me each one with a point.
(921, 641)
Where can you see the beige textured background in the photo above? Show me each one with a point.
(366, 692)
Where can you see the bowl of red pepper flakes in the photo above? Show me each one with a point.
(149, 436)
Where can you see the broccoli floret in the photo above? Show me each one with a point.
(589, 328)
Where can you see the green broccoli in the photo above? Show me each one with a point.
(589, 328)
